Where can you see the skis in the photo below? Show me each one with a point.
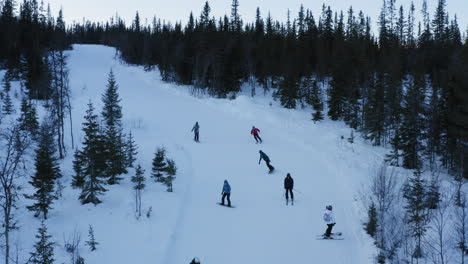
(271, 171)
(333, 236)
(226, 205)
(292, 202)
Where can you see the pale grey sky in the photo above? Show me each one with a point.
(178, 10)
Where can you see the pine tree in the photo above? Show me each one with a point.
(138, 185)
(94, 159)
(433, 194)
(92, 243)
(171, 172)
(47, 172)
(371, 225)
(393, 158)
(112, 116)
(7, 107)
(416, 209)
(317, 116)
(412, 124)
(78, 166)
(43, 249)
(28, 118)
(131, 150)
(159, 165)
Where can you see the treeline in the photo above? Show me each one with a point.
(406, 87)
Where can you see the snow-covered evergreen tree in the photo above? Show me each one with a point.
(92, 243)
(43, 249)
(47, 172)
(131, 150)
(112, 116)
(93, 158)
(159, 165)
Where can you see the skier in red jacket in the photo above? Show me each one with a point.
(255, 132)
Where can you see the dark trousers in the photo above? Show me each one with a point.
(228, 196)
(196, 137)
(290, 192)
(269, 165)
(329, 230)
(257, 138)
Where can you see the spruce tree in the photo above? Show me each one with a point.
(47, 172)
(78, 178)
(131, 150)
(171, 172)
(28, 118)
(159, 165)
(112, 117)
(138, 185)
(43, 249)
(317, 116)
(371, 225)
(7, 107)
(416, 209)
(94, 160)
(92, 243)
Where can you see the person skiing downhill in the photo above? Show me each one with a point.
(288, 186)
(195, 129)
(255, 132)
(266, 159)
(226, 193)
(195, 261)
(329, 219)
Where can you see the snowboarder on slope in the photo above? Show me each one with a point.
(195, 129)
(329, 219)
(195, 261)
(288, 186)
(226, 193)
(266, 159)
(255, 132)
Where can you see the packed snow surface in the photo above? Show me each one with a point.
(188, 222)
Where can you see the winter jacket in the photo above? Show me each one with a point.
(288, 183)
(226, 188)
(195, 128)
(264, 157)
(328, 217)
(255, 131)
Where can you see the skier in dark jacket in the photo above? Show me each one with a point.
(255, 132)
(266, 159)
(226, 193)
(195, 261)
(195, 129)
(289, 186)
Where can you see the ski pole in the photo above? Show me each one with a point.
(296, 190)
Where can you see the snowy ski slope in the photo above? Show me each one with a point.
(188, 222)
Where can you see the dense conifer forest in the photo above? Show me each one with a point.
(405, 87)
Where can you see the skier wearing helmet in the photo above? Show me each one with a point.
(329, 219)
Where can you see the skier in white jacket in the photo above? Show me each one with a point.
(329, 219)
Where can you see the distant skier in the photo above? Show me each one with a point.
(255, 132)
(288, 186)
(195, 261)
(226, 193)
(195, 129)
(267, 161)
(329, 219)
